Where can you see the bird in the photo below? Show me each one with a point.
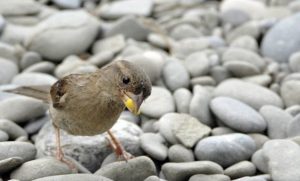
(90, 104)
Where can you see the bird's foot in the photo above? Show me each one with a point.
(120, 152)
(61, 157)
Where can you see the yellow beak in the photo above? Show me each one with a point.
(133, 102)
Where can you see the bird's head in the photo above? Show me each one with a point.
(133, 84)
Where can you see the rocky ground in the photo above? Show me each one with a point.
(225, 97)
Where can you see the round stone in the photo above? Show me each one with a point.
(29, 58)
(42, 67)
(213, 177)
(182, 97)
(238, 115)
(289, 91)
(293, 127)
(241, 69)
(8, 70)
(24, 150)
(294, 62)
(179, 153)
(225, 149)
(13, 130)
(154, 145)
(243, 91)
(245, 42)
(74, 177)
(158, 103)
(241, 169)
(33, 78)
(197, 64)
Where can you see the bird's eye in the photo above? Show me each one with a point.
(126, 80)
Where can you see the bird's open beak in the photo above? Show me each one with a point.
(133, 102)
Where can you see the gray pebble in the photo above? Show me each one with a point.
(283, 160)
(130, 27)
(260, 161)
(68, 4)
(154, 145)
(154, 178)
(179, 153)
(277, 120)
(262, 79)
(293, 110)
(241, 169)
(40, 168)
(64, 26)
(243, 91)
(8, 70)
(212, 177)
(203, 80)
(8, 51)
(148, 126)
(112, 44)
(182, 97)
(289, 91)
(43, 67)
(2, 23)
(182, 171)
(281, 41)
(34, 126)
(197, 64)
(219, 73)
(21, 109)
(9, 149)
(102, 58)
(259, 139)
(111, 158)
(293, 127)
(237, 115)
(19, 7)
(158, 40)
(29, 58)
(9, 164)
(217, 131)
(138, 168)
(225, 149)
(175, 75)
(294, 62)
(241, 69)
(13, 130)
(158, 103)
(182, 49)
(183, 31)
(33, 78)
(250, 28)
(74, 177)
(3, 136)
(245, 42)
(199, 106)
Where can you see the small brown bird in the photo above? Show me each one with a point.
(90, 104)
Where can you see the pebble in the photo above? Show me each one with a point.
(179, 153)
(19, 7)
(3, 136)
(219, 73)
(225, 149)
(154, 178)
(199, 106)
(183, 48)
(89, 151)
(293, 127)
(9, 164)
(158, 103)
(182, 171)
(241, 69)
(277, 120)
(243, 91)
(294, 62)
(25, 150)
(7, 51)
(182, 97)
(119, 9)
(238, 115)
(283, 160)
(68, 4)
(148, 126)
(154, 145)
(112, 44)
(293, 110)
(8, 70)
(21, 109)
(259, 139)
(204, 81)
(40, 168)
(250, 28)
(182, 128)
(197, 64)
(2, 23)
(130, 27)
(281, 41)
(138, 168)
(33, 78)
(42, 67)
(175, 75)
(241, 169)
(29, 58)
(289, 91)
(183, 31)
(260, 161)
(217, 131)
(13, 130)
(245, 42)
(59, 34)
(100, 59)
(243, 55)
(74, 177)
(262, 79)
(212, 177)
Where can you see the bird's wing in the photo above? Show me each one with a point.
(58, 93)
(40, 92)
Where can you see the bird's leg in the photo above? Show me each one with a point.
(59, 153)
(117, 147)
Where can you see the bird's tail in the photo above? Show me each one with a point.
(40, 92)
